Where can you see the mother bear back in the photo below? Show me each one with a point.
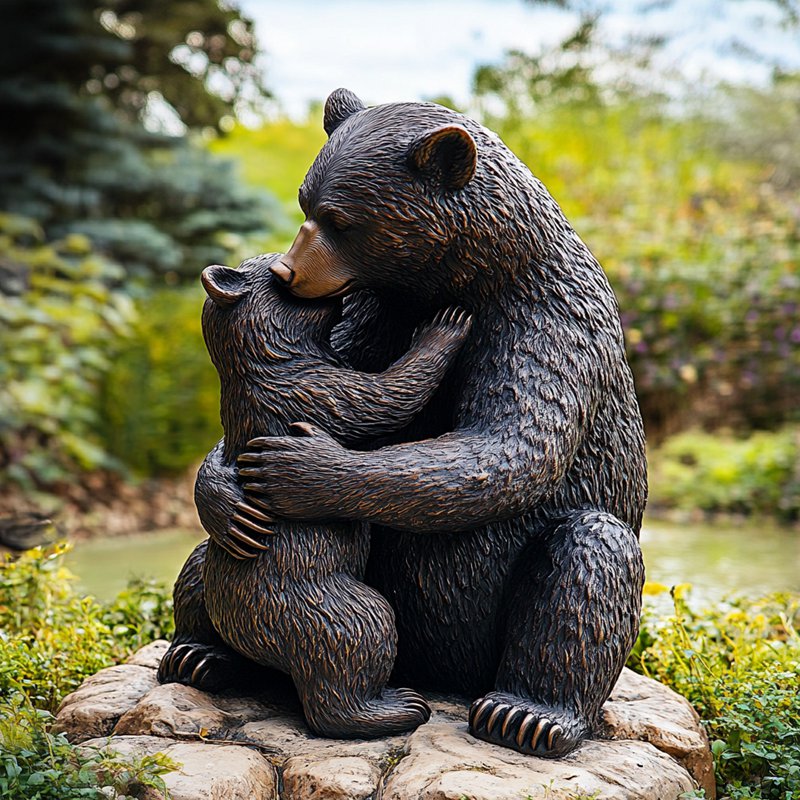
(507, 544)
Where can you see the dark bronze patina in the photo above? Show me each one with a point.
(289, 596)
(505, 517)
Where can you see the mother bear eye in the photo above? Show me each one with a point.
(335, 220)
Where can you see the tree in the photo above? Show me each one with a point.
(198, 55)
(79, 80)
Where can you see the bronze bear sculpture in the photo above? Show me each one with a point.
(505, 518)
(300, 606)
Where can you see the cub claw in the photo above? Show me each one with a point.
(555, 731)
(202, 666)
(478, 711)
(498, 711)
(252, 511)
(540, 727)
(253, 526)
(523, 729)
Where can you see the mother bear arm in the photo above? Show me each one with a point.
(458, 481)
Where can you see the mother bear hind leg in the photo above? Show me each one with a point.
(198, 656)
(573, 617)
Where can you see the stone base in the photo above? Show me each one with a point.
(258, 748)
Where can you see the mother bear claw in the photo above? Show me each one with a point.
(201, 666)
(525, 726)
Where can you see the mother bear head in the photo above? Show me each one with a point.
(405, 197)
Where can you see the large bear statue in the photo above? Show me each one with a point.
(505, 519)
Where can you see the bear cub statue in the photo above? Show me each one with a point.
(292, 600)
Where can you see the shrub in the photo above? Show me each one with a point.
(52, 638)
(36, 764)
(160, 398)
(757, 475)
(739, 665)
(60, 326)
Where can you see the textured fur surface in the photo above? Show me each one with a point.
(294, 601)
(505, 518)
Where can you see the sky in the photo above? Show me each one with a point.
(389, 50)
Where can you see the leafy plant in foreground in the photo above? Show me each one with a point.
(36, 764)
(52, 638)
(739, 665)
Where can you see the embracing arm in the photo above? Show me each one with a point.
(216, 495)
(358, 407)
(458, 481)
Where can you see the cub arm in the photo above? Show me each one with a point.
(216, 494)
(357, 407)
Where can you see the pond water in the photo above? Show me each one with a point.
(716, 560)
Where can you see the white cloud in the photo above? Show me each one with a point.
(412, 49)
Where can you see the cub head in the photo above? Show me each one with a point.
(386, 200)
(249, 317)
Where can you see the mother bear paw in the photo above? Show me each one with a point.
(526, 726)
(204, 667)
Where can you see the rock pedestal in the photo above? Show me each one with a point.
(259, 748)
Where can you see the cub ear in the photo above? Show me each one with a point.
(340, 105)
(448, 153)
(225, 286)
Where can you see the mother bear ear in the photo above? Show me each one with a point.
(448, 153)
(340, 105)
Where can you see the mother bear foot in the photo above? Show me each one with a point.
(526, 726)
(209, 668)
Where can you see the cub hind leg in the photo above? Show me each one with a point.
(341, 667)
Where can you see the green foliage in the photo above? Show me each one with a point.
(60, 325)
(80, 78)
(701, 248)
(197, 55)
(171, 212)
(50, 640)
(53, 638)
(758, 475)
(160, 401)
(36, 764)
(773, 132)
(276, 157)
(739, 665)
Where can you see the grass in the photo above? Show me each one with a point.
(738, 663)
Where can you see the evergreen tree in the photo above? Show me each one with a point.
(78, 77)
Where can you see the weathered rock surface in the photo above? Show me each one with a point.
(217, 772)
(259, 747)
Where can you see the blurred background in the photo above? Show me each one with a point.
(142, 140)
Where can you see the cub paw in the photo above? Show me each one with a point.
(525, 726)
(449, 328)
